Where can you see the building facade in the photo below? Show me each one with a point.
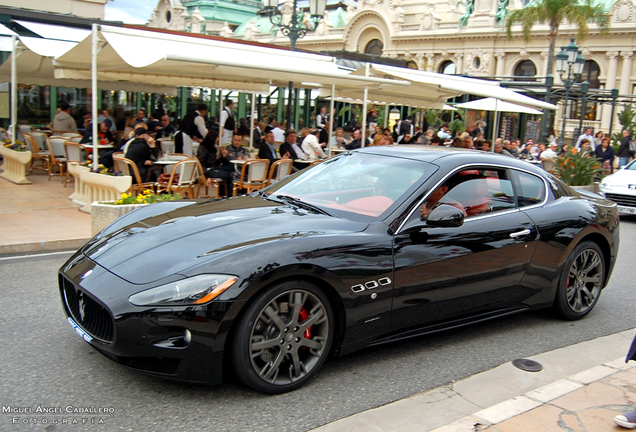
(453, 36)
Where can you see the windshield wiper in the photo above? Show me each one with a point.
(302, 204)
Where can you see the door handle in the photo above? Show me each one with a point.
(525, 232)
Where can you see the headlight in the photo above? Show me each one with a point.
(190, 291)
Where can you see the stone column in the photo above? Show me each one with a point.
(459, 67)
(626, 72)
(500, 56)
(430, 57)
(610, 83)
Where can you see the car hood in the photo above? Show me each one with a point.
(621, 178)
(164, 244)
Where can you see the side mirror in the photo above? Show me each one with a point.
(445, 215)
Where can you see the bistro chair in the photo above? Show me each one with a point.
(73, 153)
(279, 170)
(70, 135)
(39, 158)
(182, 178)
(201, 182)
(76, 139)
(57, 156)
(129, 168)
(40, 138)
(24, 129)
(167, 146)
(253, 176)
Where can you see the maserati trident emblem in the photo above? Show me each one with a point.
(82, 307)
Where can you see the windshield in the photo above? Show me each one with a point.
(356, 185)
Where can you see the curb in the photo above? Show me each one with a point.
(495, 395)
(43, 246)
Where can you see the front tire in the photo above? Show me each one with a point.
(581, 282)
(283, 338)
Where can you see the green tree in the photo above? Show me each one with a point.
(555, 12)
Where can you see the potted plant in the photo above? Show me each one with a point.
(577, 168)
(105, 213)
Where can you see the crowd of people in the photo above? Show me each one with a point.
(220, 142)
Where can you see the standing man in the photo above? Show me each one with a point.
(589, 136)
(63, 120)
(625, 153)
(322, 118)
(192, 128)
(227, 124)
(258, 135)
(405, 128)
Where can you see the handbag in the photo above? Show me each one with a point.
(164, 179)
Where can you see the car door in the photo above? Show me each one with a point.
(446, 273)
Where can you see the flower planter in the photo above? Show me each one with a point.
(100, 187)
(103, 215)
(75, 170)
(15, 165)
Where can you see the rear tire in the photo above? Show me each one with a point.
(581, 282)
(283, 338)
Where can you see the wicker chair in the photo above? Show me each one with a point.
(57, 155)
(128, 167)
(38, 157)
(279, 170)
(253, 176)
(182, 178)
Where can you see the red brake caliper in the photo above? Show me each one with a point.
(303, 316)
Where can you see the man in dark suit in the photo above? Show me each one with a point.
(292, 149)
(267, 149)
(258, 135)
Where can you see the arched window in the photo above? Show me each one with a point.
(591, 71)
(411, 64)
(374, 47)
(525, 69)
(447, 68)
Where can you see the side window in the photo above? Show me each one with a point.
(530, 188)
(480, 191)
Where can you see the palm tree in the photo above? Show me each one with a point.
(554, 12)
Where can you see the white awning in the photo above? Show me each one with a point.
(52, 31)
(493, 104)
(35, 67)
(454, 84)
(6, 31)
(196, 60)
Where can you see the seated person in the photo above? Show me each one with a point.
(311, 147)
(207, 150)
(222, 169)
(143, 150)
(104, 137)
(435, 197)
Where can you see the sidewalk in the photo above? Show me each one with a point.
(580, 389)
(39, 217)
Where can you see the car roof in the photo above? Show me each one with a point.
(449, 156)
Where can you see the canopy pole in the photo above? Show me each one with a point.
(364, 110)
(94, 52)
(252, 116)
(331, 117)
(219, 118)
(14, 87)
(386, 116)
(494, 127)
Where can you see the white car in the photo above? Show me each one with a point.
(620, 187)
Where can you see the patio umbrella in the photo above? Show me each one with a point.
(496, 105)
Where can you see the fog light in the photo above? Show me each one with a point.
(187, 336)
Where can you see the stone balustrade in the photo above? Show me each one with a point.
(15, 165)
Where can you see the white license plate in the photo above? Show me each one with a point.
(79, 331)
(630, 210)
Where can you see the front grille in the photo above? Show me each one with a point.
(624, 200)
(95, 319)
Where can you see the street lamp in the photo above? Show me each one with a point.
(585, 87)
(570, 60)
(294, 29)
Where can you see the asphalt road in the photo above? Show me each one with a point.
(44, 363)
